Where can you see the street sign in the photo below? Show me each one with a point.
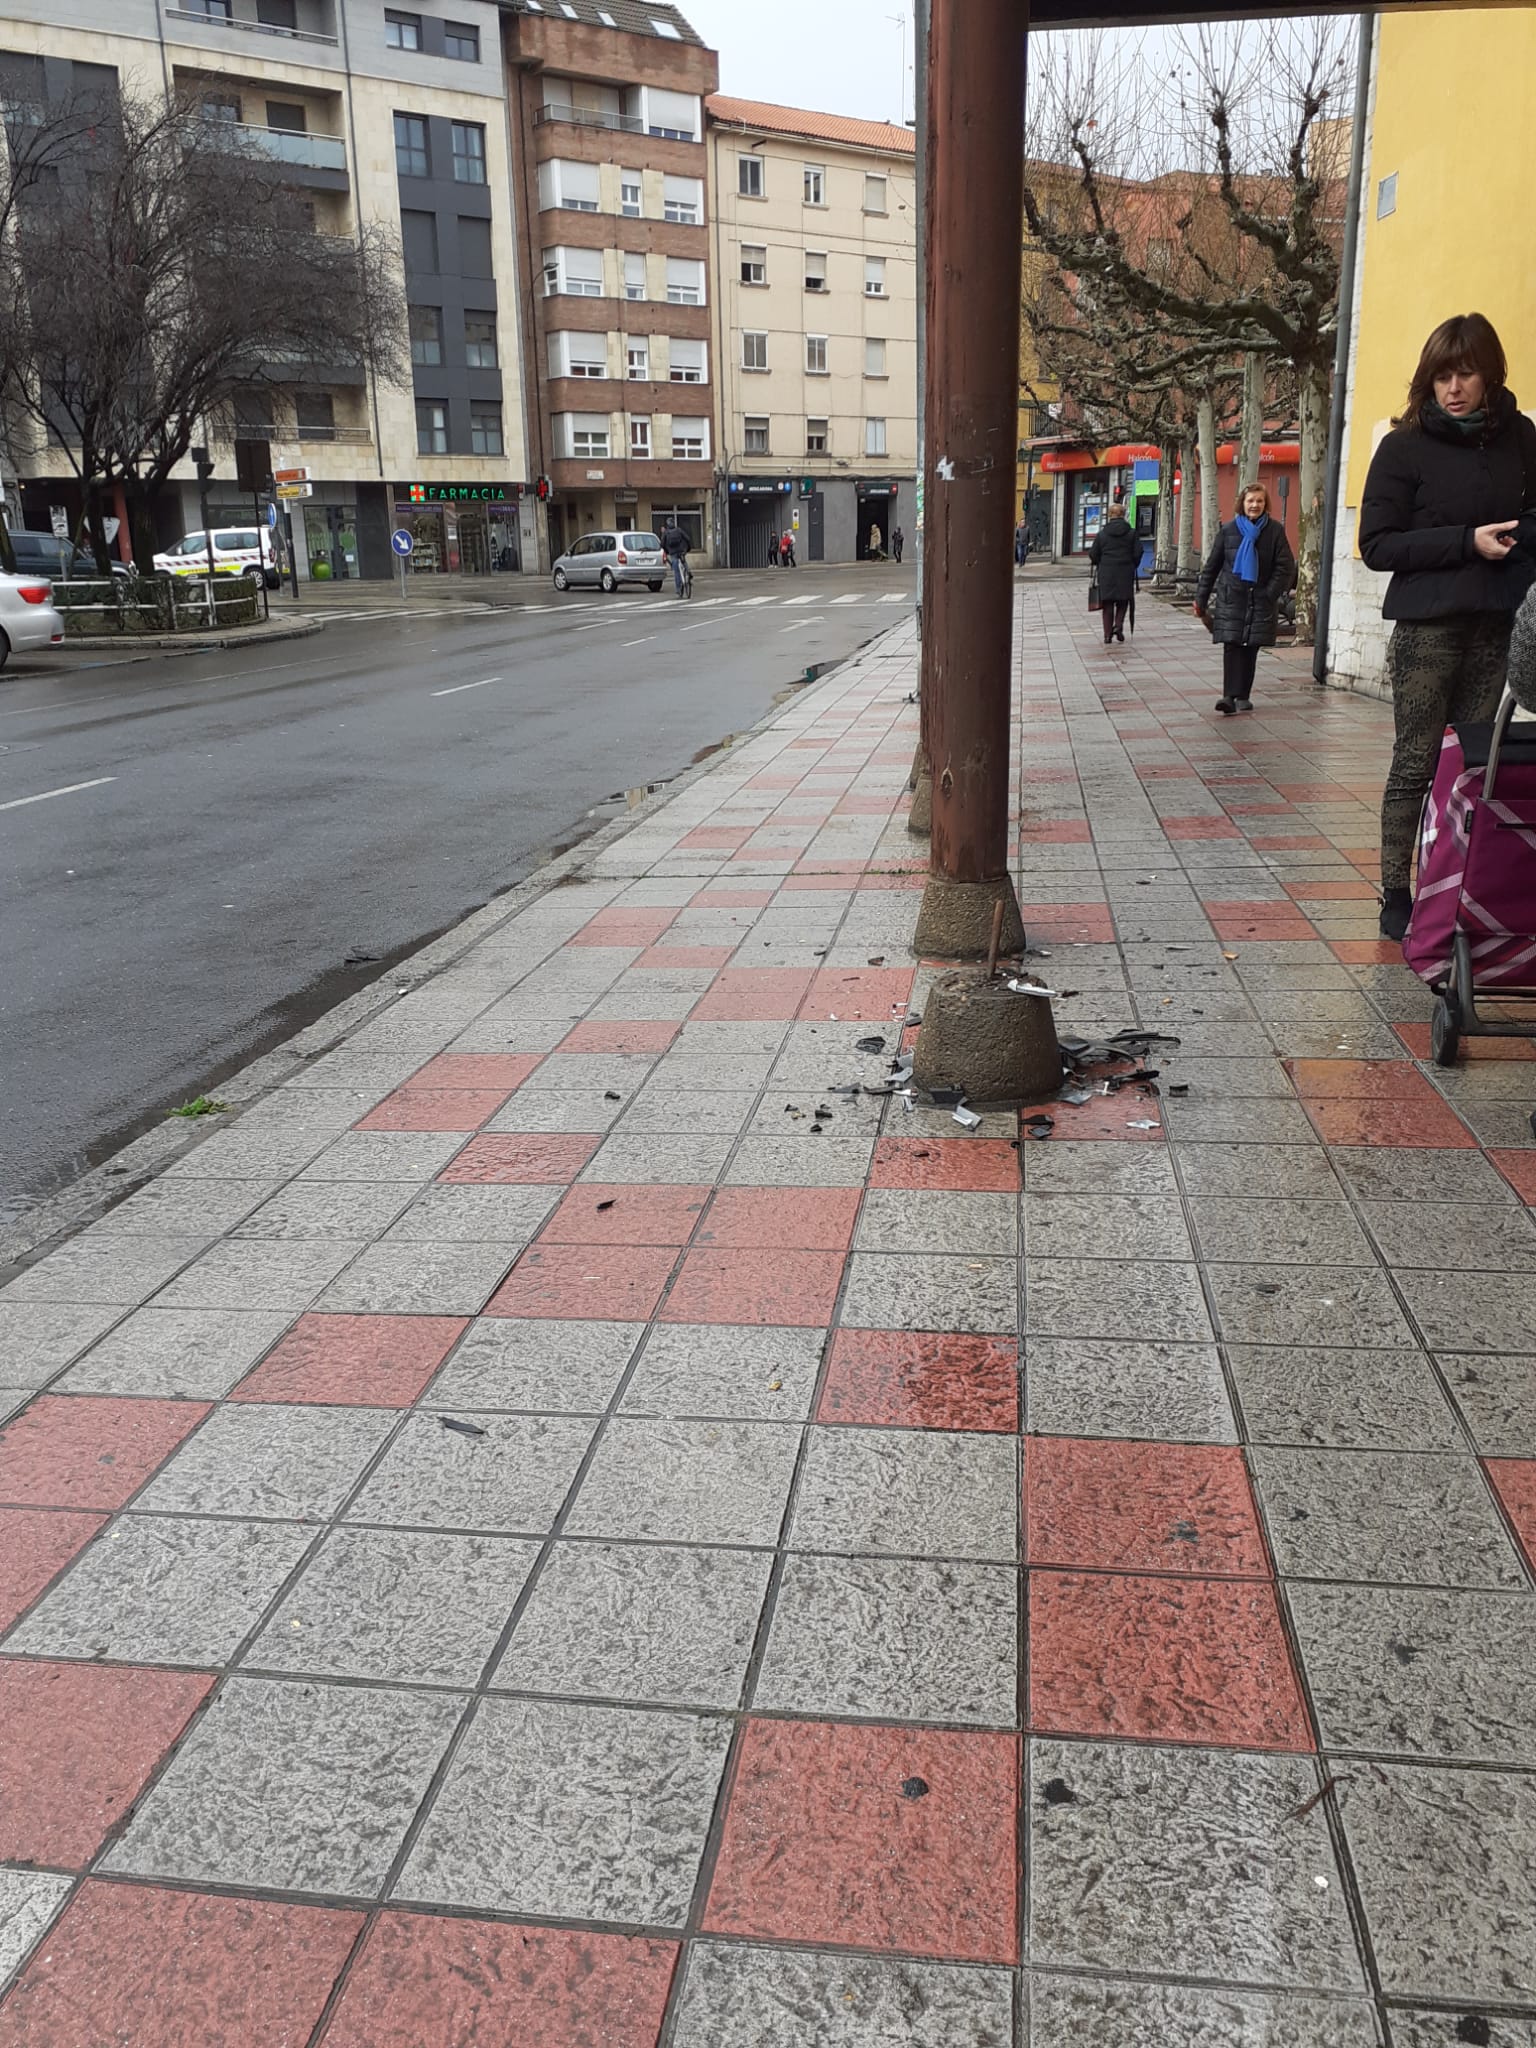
(288, 492)
(272, 516)
(401, 541)
(290, 476)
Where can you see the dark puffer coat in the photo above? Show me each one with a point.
(1427, 490)
(1115, 554)
(1246, 614)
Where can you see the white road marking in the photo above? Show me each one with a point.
(638, 643)
(797, 600)
(896, 597)
(458, 688)
(699, 627)
(854, 599)
(17, 802)
(748, 602)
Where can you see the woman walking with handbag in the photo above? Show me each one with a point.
(1246, 574)
(1114, 555)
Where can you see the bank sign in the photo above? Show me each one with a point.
(464, 494)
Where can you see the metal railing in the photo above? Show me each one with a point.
(156, 604)
(255, 28)
(588, 117)
(287, 145)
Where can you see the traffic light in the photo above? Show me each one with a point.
(545, 489)
(202, 463)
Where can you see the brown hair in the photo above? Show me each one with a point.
(1263, 491)
(1467, 341)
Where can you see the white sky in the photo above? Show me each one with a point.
(834, 56)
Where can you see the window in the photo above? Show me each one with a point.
(689, 362)
(685, 281)
(690, 441)
(431, 427)
(314, 414)
(462, 41)
(411, 159)
(816, 437)
(815, 185)
(469, 153)
(640, 440)
(749, 177)
(576, 272)
(634, 277)
(756, 441)
(689, 517)
(874, 277)
(875, 194)
(754, 264)
(572, 186)
(630, 194)
(418, 239)
(578, 355)
(874, 437)
(402, 31)
(277, 13)
(666, 28)
(874, 358)
(480, 341)
(815, 270)
(1386, 196)
(212, 10)
(816, 355)
(682, 200)
(426, 337)
(287, 116)
(219, 108)
(639, 362)
(474, 247)
(671, 114)
(585, 435)
(754, 351)
(485, 430)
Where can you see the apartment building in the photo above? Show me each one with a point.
(607, 107)
(815, 329)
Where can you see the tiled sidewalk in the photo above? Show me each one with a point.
(522, 1539)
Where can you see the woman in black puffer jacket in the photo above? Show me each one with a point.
(1450, 509)
(1246, 574)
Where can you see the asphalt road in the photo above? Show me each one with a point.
(191, 846)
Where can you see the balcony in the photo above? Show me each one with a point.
(286, 145)
(198, 18)
(589, 117)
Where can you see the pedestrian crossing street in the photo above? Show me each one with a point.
(335, 616)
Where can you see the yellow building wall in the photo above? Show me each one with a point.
(1453, 121)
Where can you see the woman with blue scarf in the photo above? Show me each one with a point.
(1246, 574)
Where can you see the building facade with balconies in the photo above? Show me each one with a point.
(607, 113)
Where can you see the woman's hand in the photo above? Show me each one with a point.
(1494, 542)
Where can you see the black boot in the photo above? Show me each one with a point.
(1225, 706)
(1396, 909)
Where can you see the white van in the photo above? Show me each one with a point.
(237, 551)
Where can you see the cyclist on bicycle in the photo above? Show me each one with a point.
(676, 543)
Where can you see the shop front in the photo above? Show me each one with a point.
(877, 518)
(469, 529)
(761, 509)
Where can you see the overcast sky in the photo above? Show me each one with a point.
(835, 56)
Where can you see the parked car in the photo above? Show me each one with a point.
(237, 551)
(45, 554)
(609, 559)
(28, 619)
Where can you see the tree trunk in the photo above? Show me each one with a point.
(1189, 564)
(1165, 556)
(1210, 488)
(1313, 393)
(1255, 390)
(141, 527)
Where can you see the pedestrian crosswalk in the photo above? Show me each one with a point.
(366, 615)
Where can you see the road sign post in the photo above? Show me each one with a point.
(402, 543)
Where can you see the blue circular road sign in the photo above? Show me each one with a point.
(401, 541)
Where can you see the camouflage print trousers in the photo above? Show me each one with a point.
(1442, 672)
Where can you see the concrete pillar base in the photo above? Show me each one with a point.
(955, 920)
(978, 1035)
(920, 811)
(919, 763)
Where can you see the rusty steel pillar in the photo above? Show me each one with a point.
(975, 208)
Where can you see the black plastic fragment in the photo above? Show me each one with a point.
(869, 1045)
(461, 1428)
(1057, 1792)
(914, 1788)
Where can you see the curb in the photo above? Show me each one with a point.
(192, 643)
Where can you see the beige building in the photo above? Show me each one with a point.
(815, 225)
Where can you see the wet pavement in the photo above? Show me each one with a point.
(539, 1533)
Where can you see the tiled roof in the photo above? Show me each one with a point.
(819, 127)
(634, 17)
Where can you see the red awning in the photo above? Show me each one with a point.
(1278, 454)
(1122, 455)
(1068, 458)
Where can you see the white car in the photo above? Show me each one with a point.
(237, 551)
(28, 619)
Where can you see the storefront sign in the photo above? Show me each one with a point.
(463, 494)
(869, 490)
(750, 488)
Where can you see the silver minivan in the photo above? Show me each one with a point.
(609, 559)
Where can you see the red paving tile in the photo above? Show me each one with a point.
(1105, 1117)
(1313, 792)
(1200, 828)
(733, 899)
(625, 927)
(858, 994)
(35, 1546)
(77, 1742)
(1162, 1660)
(796, 1219)
(769, 994)
(1369, 953)
(1514, 1481)
(1058, 832)
(1361, 1080)
(488, 1070)
(1112, 1506)
(715, 839)
(434, 1109)
(522, 1158)
(1519, 1169)
(983, 1166)
(629, 1214)
(795, 884)
(903, 1379)
(88, 1451)
(1432, 1124)
(903, 881)
(1416, 1038)
(866, 806)
(585, 1283)
(621, 1037)
(685, 956)
(1294, 842)
(792, 1288)
(895, 1839)
(1235, 929)
(136, 1965)
(478, 1984)
(354, 1361)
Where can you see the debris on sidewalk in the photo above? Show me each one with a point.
(461, 1428)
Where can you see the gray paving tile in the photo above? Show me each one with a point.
(920, 1220)
(245, 1273)
(894, 1639)
(572, 1812)
(1237, 1120)
(1405, 1173)
(386, 1155)
(688, 1482)
(688, 1158)
(1350, 1306)
(270, 1462)
(1185, 1863)
(37, 1338)
(419, 1279)
(1300, 1172)
(168, 1205)
(1498, 1125)
(1296, 1040)
(711, 1071)
(1405, 1671)
(29, 1899)
(745, 1372)
(584, 1111)
(1080, 1226)
(510, 1481)
(1471, 1238)
(1156, 1298)
(699, 1112)
(1062, 1167)
(1453, 2028)
(1280, 1230)
(739, 1997)
(708, 1040)
(1174, 1393)
(110, 1271)
(188, 1354)
(1342, 1399)
(1070, 2012)
(1443, 1860)
(909, 1493)
(300, 1787)
(1385, 1516)
(405, 1608)
(641, 1623)
(783, 1115)
(248, 1155)
(350, 1209)
(163, 1590)
(561, 1367)
(926, 1291)
(13, 1398)
(473, 1214)
(1497, 1400)
(1467, 1312)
